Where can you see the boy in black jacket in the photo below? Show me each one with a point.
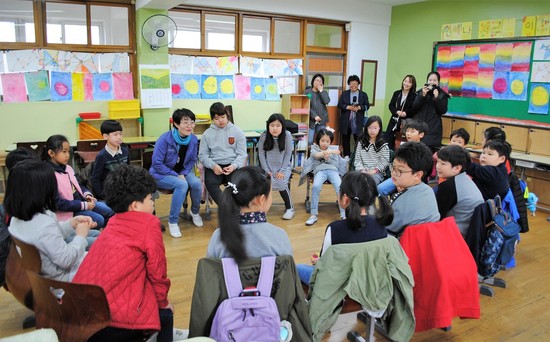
(490, 175)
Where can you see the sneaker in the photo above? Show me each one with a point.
(289, 214)
(180, 334)
(311, 220)
(197, 220)
(174, 230)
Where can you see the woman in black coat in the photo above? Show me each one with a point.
(401, 108)
(430, 103)
(353, 103)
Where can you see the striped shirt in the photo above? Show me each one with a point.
(370, 158)
(274, 160)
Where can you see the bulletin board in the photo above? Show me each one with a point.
(498, 77)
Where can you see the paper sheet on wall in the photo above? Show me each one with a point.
(155, 86)
(333, 94)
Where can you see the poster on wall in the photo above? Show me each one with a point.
(540, 95)
(155, 86)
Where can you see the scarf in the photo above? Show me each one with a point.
(179, 140)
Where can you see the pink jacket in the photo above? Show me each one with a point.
(65, 190)
(128, 260)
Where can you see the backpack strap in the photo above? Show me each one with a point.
(232, 277)
(265, 281)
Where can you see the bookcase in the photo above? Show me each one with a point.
(295, 107)
(90, 128)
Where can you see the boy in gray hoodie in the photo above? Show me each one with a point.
(222, 150)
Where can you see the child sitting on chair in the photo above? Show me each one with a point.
(490, 175)
(109, 158)
(222, 150)
(128, 261)
(357, 194)
(372, 154)
(30, 202)
(326, 164)
(244, 231)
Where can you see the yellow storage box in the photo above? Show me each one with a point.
(124, 109)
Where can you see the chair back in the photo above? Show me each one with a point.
(36, 146)
(17, 280)
(88, 149)
(30, 257)
(74, 311)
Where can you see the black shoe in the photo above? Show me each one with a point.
(162, 227)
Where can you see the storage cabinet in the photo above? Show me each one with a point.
(295, 107)
(468, 125)
(538, 141)
(478, 134)
(90, 128)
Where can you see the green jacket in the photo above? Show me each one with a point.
(287, 292)
(375, 274)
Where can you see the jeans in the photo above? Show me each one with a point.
(386, 187)
(92, 236)
(179, 186)
(313, 131)
(100, 214)
(320, 177)
(304, 272)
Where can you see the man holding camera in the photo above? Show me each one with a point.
(430, 103)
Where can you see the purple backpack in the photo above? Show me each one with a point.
(249, 315)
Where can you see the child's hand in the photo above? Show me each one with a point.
(90, 205)
(170, 306)
(228, 169)
(279, 175)
(80, 219)
(90, 198)
(217, 170)
(314, 259)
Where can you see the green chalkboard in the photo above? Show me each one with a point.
(515, 109)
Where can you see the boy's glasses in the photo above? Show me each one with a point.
(398, 172)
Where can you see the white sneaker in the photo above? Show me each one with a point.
(197, 220)
(180, 334)
(311, 220)
(174, 230)
(289, 214)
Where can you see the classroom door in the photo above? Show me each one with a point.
(332, 69)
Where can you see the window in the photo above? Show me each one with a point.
(109, 25)
(256, 35)
(287, 36)
(326, 36)
(17, 21)
(66, 23)
(220, 32)
(189, 30)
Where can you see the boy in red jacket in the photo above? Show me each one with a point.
(129, 262)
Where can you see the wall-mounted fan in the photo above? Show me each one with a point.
(159, 30)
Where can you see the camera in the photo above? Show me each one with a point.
(431, 87)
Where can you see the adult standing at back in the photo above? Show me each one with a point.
(430, 103)
(353, 105)
(401, 108)
(318, 112)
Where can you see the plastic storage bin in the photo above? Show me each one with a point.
(124, 109)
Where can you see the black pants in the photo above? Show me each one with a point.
(120, 334)
(213, 182)
(346, 141)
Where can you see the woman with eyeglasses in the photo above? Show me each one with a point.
(173, 167)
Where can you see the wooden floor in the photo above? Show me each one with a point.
(521, 312)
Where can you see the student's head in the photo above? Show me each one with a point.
(249, 190)
(353, 82)
(494, 153)
(433, 78)
(452, 160)
(318, 79)
(31, 189)
(412, 163)
(358, 193)
(275, 130)
(218, 114)
(184, 121)
(324, 138)
(129, 188)
(19, 154)
(415, 129)
(459, 137)
(112, 132)
(493, 133)
(57, 150)
(373, 128)
(409, 83)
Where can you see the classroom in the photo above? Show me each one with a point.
(397, 37)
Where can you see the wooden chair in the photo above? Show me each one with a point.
(36, 146)
(87, 150)
(18, 283)
(74, 311)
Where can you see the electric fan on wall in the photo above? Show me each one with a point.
(159, 30)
